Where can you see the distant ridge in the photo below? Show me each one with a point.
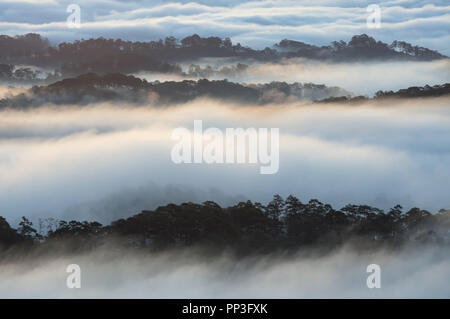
(360, 47)
(411, 92)
(119, 88)
(115, 55)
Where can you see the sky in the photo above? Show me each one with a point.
(254, 23)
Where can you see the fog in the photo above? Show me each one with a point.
(358, 77)
(106, 273)
(71, 162)
(6, 91)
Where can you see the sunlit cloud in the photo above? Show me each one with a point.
(381, 155)
(256, 23)
(188, 274)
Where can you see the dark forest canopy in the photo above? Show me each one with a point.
(116, 55)
(246, 228)
(411, 92)
(119, 88)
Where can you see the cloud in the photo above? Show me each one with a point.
(256, 23)
(359, 78)
(59, 160)
(112, 273)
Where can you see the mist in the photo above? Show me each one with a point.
(411, 273)
(361, 78)
(77, 162)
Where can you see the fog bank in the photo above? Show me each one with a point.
(361, 78)
(187, 274)
(76, 162)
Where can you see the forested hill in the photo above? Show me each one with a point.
(119, 88)
(411, 92)
(245, 228)
(116, 55)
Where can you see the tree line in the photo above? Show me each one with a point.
(408, 93)
(282, 224)
(117, 55)
(117, 87)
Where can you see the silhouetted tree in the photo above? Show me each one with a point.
(245, 228)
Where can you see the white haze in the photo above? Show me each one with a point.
(104, 162)
(358, 77)
(419, 273)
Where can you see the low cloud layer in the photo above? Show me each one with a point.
(104, 274)
(67, 162)
(359, 78)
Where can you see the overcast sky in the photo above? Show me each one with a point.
(254, 23)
